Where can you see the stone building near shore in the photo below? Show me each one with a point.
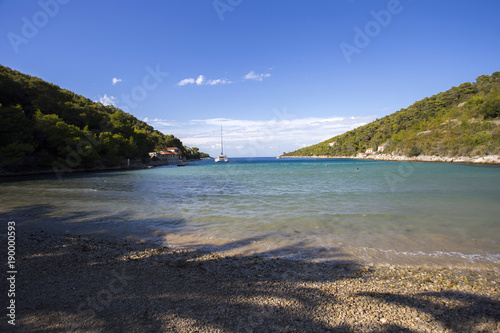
(381, 148)
(366, 153)
(170, 155)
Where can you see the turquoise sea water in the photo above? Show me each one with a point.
(387, 212)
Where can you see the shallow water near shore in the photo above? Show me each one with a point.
(385, 213)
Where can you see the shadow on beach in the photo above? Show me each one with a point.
(457, 311)
(111, 281)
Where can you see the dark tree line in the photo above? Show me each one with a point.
(42, 125)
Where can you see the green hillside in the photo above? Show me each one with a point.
(462, 121)
(43, 126)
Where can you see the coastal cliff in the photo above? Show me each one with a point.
(461, 124)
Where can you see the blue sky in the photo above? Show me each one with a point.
(276, 74)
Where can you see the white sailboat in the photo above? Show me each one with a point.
(221, 157)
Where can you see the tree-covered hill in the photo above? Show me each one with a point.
(45, 127)
(462, 121)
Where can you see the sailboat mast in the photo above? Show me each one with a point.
(221, 146)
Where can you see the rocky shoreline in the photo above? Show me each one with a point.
(134, 165)
(70, 282)
(489, 159)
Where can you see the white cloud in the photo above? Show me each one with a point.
(218, 81)
(185, 81)
(202, 81)
(199, 80)
(258, 137)
(116, 80)
(254, 76)
(107, 100)
(164, 124)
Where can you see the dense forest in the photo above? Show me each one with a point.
(45, 127)
(462, 121)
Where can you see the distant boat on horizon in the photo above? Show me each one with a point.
(221, 157)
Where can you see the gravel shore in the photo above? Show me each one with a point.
(67, 282)
(487, 159)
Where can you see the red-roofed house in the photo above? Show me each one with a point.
(166, 155)
(366, 153)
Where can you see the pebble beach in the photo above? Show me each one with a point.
(79, 283)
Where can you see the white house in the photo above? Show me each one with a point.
(167, 156)
(381, 148)
(173, 149)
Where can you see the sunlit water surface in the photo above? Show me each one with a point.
(387, 212)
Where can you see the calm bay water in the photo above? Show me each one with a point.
(387, 212)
